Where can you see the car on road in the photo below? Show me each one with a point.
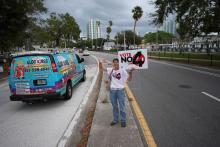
(2, 59)
(43, 75)
(86, 53)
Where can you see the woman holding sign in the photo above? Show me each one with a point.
(117, 78)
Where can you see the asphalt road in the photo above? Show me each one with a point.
(181, 103)
(40, 124)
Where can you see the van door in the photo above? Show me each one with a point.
(31, 74)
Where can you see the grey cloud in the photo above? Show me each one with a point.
(119, 11)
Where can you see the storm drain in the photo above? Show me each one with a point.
(185, 86)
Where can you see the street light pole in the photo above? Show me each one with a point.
(157, 38)
(124, 41)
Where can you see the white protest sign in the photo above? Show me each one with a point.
(133, 59)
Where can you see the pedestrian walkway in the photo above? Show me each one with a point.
(104, 135)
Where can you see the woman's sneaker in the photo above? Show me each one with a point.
(123, 124)
(113, 123)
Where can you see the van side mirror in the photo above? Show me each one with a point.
(82, 60)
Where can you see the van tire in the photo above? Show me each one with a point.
(84, 76)
(69, 91)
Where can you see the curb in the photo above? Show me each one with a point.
(65, 139)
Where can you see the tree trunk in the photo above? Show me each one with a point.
(134, 30)
(57, 42)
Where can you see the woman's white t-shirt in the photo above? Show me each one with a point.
(118, 78)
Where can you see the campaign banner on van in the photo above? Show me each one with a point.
(136, 59)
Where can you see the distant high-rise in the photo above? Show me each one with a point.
(169, 26)
(93, 29)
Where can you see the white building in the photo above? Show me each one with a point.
(83, 36)
(109, 45)
(93, 29)
(169, 26)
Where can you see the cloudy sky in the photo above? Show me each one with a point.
(119, 11)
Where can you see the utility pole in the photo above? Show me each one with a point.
(92, 42)
(157, 38)
(124, 42)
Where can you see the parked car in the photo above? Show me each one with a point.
(86, 53)
(40, 75)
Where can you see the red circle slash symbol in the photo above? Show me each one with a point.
(138, 59)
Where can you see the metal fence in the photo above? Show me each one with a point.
(212, 59)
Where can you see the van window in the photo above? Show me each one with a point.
(25, 65)
(78, 59)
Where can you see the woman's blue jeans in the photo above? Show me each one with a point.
(118, 103)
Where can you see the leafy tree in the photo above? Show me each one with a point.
(88, 43)
(15, 18)
(100, 42)
(70, 29)
(62, 26)
(128, 38)
(54, 27)
(137, 14)
(83, 44)
(194, 17)
(163, 37)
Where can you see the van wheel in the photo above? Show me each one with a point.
(68, 93)
(84, 76)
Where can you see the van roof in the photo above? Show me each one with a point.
(38, 52)
(29, 53)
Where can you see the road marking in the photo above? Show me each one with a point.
(191, 69)
(143, 123)
(4, 78)
(68, 132)
(211, 96)
(3, 85)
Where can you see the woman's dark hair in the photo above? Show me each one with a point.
(115, 59)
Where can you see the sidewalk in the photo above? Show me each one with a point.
(104, 135)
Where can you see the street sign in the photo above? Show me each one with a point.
(133, 59)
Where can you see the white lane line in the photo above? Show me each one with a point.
(211, 96)
(68, 132)
(4, 78)
(3, 85)
(191, 69)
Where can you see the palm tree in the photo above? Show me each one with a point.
(98, 25)
(110, 23)
(137, 13)
(109, 30)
